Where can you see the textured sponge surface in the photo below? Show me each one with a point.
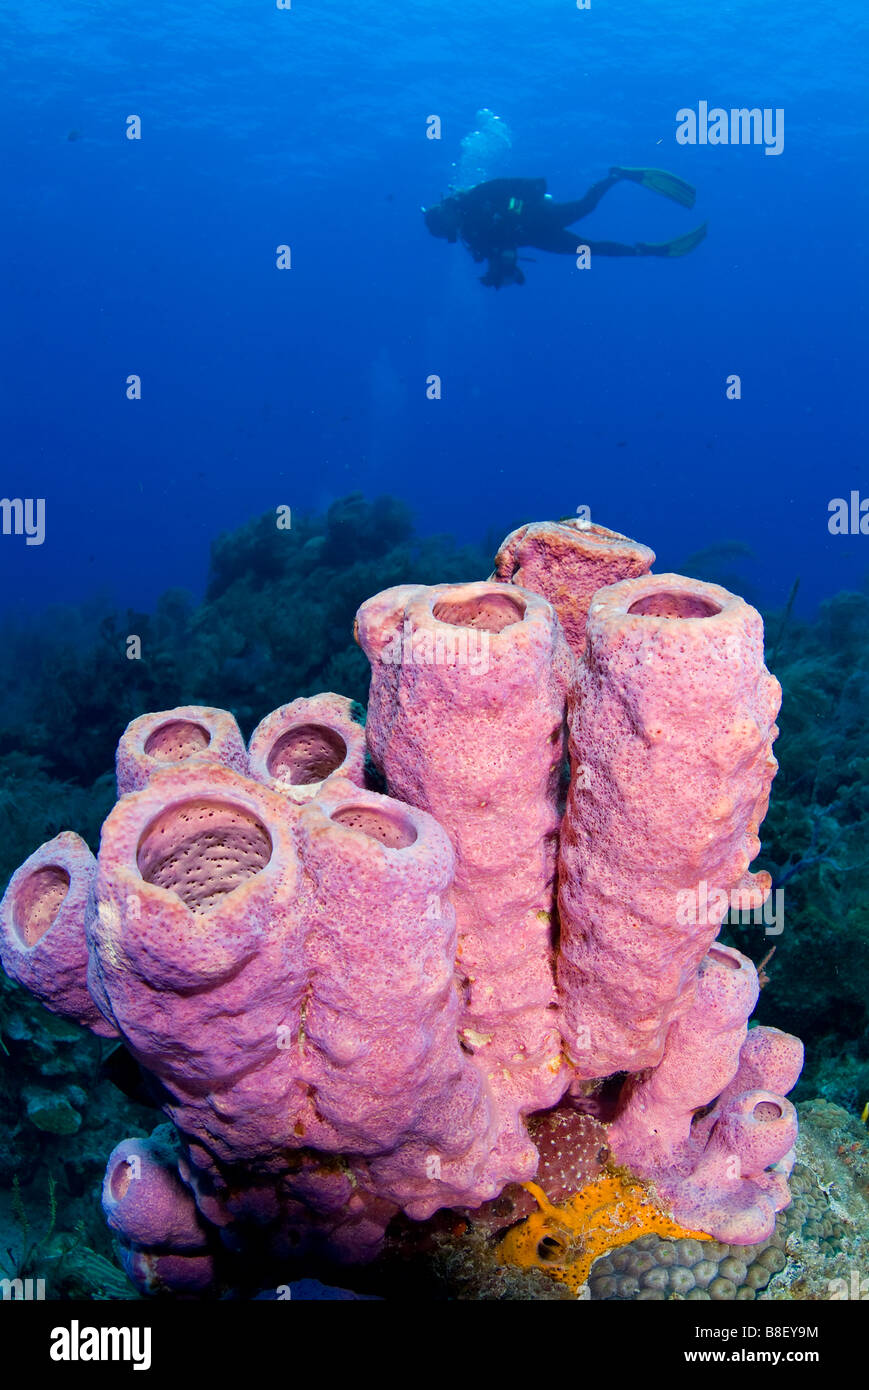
(203, 849)
(38, 901)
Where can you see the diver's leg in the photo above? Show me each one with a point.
(677, 246)
(567, 243)
(613, 248)
(565, 213)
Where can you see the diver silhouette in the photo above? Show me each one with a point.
(495, 218)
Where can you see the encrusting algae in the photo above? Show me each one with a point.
(566, 1240)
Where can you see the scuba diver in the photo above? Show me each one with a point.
(495, 218)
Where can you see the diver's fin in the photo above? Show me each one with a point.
(679, 246)
(659, 181)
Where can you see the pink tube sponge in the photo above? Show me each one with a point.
(769, 1060)
(288, 975)
(711, 1165)
(567, 562)
(701, 1055)
(295, 748)
(174, 737)
(465, 720)
(156, 1273)
(197, 949)
(730, 1193)
(671, 730)
(350, 1003)
(145, 1201)
(381, 1048)
(42, 929)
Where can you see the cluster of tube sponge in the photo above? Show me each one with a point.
(348, 1003)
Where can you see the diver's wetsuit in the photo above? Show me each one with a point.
(497, 217)
(505, 213)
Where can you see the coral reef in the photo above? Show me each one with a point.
(815, 839)
(277, 619)
(350, 1003)
(818, 1250)
(820, 1240)
(59, 1116)
(566, 1239)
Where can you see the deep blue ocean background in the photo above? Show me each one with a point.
(308, 127)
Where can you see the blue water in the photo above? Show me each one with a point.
(263, 387)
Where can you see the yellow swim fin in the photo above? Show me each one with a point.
(679, 246)
(660, 181)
